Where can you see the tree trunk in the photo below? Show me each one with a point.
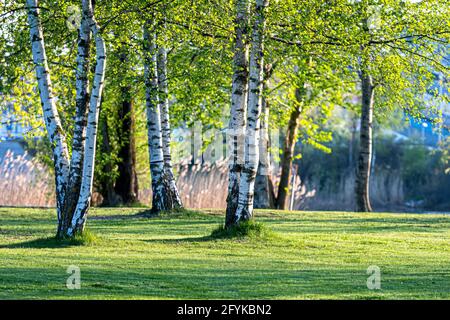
(236, 125)
(351, 144)
(163, 96)
(126, 185)
(365, 146)
(161, 199)
(83, 154)
(251, 158)
(79, 133)
(51, 117)
(264, 194)
(79, 216)
(107, 185)
(288, 153)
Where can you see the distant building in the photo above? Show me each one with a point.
(12, 131)
(11, 128)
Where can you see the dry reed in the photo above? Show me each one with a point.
(25, 182)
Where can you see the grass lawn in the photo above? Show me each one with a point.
(312, 255)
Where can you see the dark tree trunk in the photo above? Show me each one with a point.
(365, 146)
(351, 145)
(286, 161)
(107, 183)
(126, 185)
(288, 154)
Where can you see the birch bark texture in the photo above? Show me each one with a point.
(81, 107)
(364, 163)
(264, 193)
(79, 216)
(51, 117)
(236, 125)
(73, 177)
(252, 133)
(161, 199)
(163, 98)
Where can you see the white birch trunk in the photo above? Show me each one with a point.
(160, 190)
(50, 113)
(79, 216)
(264, 197)
(79, 133)
(163, 96)
(236, 125)
(252, 136)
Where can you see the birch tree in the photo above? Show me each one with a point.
(264, 192)
(52, 120)
(74, 176)
(161, 199)
(79, 216)
(81, 107)
(163, 99)
(395, 68)
(244, 210)
(364, 162)
(236, 126)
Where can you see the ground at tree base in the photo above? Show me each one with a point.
(311, 255)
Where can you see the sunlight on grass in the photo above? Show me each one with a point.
(279, 255)
(245, 229)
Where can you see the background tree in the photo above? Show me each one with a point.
(244, 209)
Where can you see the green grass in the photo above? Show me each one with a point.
(308, 255)
(251, 229)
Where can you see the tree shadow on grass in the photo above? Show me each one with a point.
(249, 230)
(117, 217)
(45, 243)
(187, 278)
(205, 238)
(150, 214)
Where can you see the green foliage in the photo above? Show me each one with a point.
(200, 84)
(445, 149)
(326, 169)
(415, 159)
(424, 174)
(317, 49)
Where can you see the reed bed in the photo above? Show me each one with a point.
(25, 182)
(206, 186)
